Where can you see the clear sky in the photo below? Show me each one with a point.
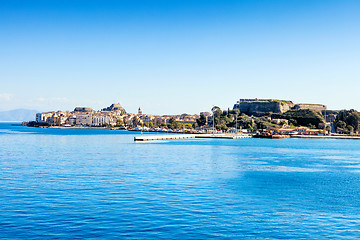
(176, 56)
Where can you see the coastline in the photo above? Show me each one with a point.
(327, 137)
(61, 127)
(216, 135)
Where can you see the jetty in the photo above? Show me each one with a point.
(225, 136)
(187, 136)
(164, 137)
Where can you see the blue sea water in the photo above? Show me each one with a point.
(100, 184)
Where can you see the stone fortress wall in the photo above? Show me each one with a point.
(263, 106)
(316, 107)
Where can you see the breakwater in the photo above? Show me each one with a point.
(187, 136)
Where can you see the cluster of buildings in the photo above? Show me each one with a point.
(115, 115)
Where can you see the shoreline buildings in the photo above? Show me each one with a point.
(114, 115)
(246, 113)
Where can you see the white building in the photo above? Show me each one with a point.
(101, 120)
(44, 117)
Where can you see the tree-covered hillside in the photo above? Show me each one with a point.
(302, 117)
(233, 118)
(347, 121)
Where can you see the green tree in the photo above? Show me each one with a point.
(202, 120)
(172, 120)
(354, 121)
(349, 120)
(302, 117)
(216, 114)
(340, 124)
(188, 125)
(328, 128)
(222, 127)
(135, 121)
(178, 125)
(216, 111)
(119, 122)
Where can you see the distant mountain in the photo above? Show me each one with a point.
(18, 115)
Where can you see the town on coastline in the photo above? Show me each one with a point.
(263, 117)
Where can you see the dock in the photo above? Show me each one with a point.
(164, 137)
(224, 136)
(187, 136)
(153, 137)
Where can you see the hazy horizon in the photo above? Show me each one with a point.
(164, 113)
(172, 57)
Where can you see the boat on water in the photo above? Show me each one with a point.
(118, 128)
(269, 135)
(278, 136)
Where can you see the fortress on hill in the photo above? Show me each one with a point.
(265, 106)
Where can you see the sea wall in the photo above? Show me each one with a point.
(253, 107)
(263, 106)
(316, 107)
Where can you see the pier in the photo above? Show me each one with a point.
(187, 136)
(163, 137)
(224, 136)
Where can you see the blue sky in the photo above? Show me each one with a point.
(173, 57)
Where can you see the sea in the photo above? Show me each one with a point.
(100, 184)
